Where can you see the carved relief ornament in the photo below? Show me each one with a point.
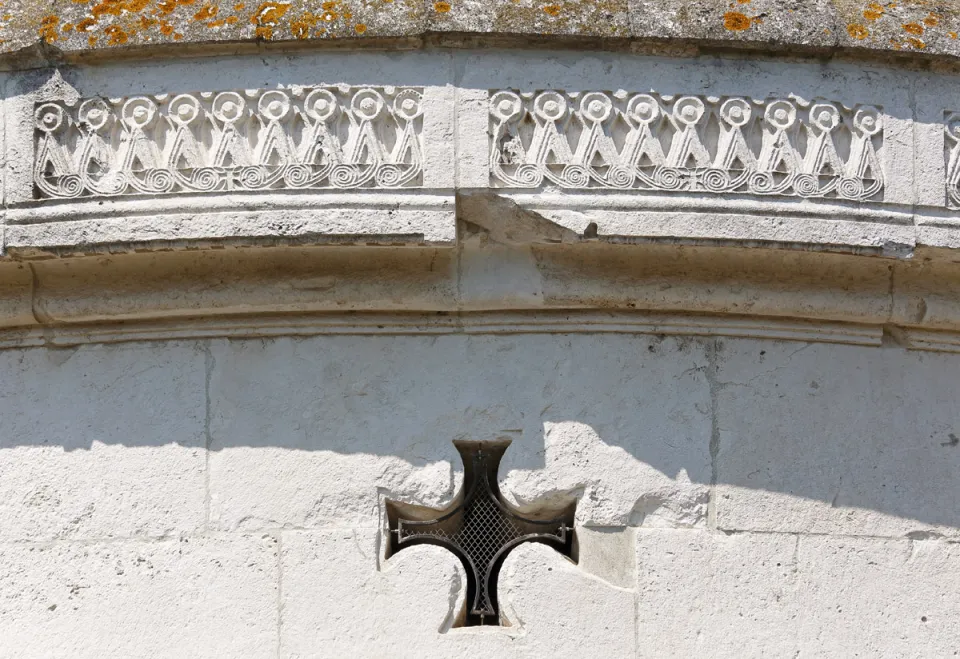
(320, 137)
(625, 141)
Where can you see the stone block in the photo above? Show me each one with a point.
(101, 441)
(870, 597)
(707, 594)
(620, 421)
(192, 597)
(336, 603)
(837, 439)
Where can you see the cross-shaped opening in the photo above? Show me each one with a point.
(480, 528)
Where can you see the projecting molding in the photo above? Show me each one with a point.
(369, 148)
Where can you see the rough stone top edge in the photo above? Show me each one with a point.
(39, 32)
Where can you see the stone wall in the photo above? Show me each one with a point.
(249, 294)
(222, 498)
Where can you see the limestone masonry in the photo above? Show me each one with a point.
(462, 329)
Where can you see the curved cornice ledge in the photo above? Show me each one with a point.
(38, 32)
(480, 189)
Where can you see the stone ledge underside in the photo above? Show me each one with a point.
(40, 31)
(484, 287)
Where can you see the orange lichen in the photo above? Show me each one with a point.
(232, 20)
(118, 7)
(239, 6)
(269, 14)
(552, 10)
(858, 31)
(147, 23)
(360, 28)
(441, 7)
(329, 16)
(217, 23)
(92, 40)
(932, 20)
(264, 32)
(300, 29)
(177, 36)
(206, 12)
(916, 43)
(86, 25)
(913, 28)
(744, 2)
(736, 22)
(116, 36)
(48, 28)
(873, 11)
(952, 35)
(166, 29)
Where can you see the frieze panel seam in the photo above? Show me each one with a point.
(647, 141)
(306, 137)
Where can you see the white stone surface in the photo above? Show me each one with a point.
(620, 421)
(737, 497)
(873, 597)
(702, 594)
(785, 595)
(820, 439)
(456, 150)
(345, 607)
(102, 441)
(192, 597)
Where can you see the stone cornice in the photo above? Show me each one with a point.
(484, 287)
(39, 32)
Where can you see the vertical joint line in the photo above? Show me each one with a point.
(208, 363)
(713, 385)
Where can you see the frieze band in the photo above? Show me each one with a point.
(650, 142)
(320, 137)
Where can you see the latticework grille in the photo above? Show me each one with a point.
(480, 529)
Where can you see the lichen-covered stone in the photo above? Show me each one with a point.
(85, 26)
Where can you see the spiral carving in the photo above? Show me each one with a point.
(346, 176)
(669, 178)
(70, 186)
(620, 177)
(716, 180)
(850, 188)
(252, 177)
(761, 183)
(389, 176)
(158, 180)
(528, 176)
(297, 176)
(575, 176)
(806, 185)
(205, 179)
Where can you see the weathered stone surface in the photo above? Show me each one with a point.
(346, 607)
(197, 597)
(92, 26)
(829, 439)
(312, 444)
(701, 593)
(763, 594)
(100, 442)
(878, 597)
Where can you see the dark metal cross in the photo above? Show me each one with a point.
(480, 528)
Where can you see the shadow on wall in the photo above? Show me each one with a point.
(309, 431)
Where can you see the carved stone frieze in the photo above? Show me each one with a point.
(951, 140)
(306, 137)
(645, 141)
